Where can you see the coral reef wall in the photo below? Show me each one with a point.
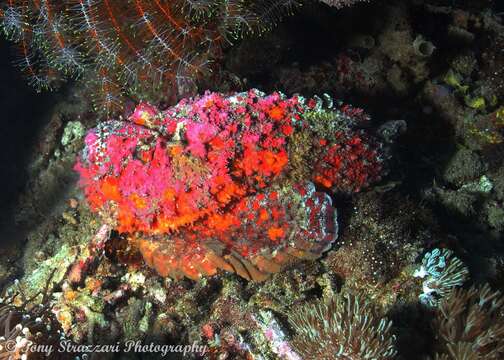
(239, 223)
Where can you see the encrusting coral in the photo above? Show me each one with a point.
(218, 182)
(345, 327)
(470, 325)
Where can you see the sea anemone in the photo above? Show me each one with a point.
(470, 325)
(345, 327)
(29, 334)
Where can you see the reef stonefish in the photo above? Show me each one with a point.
(239, 183)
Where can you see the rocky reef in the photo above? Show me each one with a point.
(262, 213)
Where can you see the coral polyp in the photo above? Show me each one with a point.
(228, 182)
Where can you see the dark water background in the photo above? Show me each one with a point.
(23, 112)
